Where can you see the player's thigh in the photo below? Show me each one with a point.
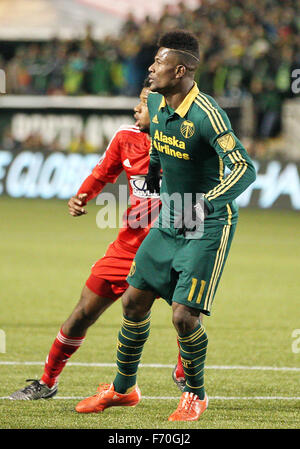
(202, 262)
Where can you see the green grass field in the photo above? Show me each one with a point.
(253, 367)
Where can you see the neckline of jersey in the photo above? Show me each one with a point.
(185, 105)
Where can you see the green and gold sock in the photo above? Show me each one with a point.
(132, 337)
(193, 348)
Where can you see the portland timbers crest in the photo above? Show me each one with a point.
(187, 129)
(226, 142)
(132, 269)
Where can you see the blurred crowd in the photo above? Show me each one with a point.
(247, 46)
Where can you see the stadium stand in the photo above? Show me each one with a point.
(248, 47)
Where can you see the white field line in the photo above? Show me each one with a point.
(154, 365)
(211, 398)
(157, 365)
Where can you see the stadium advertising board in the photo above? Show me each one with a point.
(69, 124)
(48, 147)
(37, 174)
(85, 131)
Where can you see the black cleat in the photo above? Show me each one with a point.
(34, 391)
(179, 381)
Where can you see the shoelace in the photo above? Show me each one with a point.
(35, 386)
(102, 388)
(187, 401)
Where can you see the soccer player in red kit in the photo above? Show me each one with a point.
(129, 151)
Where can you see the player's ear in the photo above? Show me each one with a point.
(180, 71)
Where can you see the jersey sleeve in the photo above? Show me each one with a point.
(110, 165)
(216, 130)
(92, 187)
(152, 103)
(154, 157)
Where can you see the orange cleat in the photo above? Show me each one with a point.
(190, 408)
(108, 397)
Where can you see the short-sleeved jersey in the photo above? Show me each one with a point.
(128, 150)
(193, 145)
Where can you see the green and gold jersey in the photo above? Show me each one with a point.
(193, 144)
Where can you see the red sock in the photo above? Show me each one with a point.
(179, 370)
(61, 350)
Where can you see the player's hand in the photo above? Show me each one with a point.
(192, 218)
(152, 180)
(76, 204)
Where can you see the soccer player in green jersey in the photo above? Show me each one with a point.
(183, 256)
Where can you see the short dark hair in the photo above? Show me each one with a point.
(184, 42)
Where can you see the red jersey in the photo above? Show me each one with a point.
(129, 150)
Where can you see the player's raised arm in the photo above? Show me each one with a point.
(233, 154)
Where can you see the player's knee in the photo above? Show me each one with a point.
(179, 322)
(130, 307)
(86, 312)
(77, 323)
(135, 307)
(183, 321)
(79, 318)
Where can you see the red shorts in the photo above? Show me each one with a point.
(108, 274)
